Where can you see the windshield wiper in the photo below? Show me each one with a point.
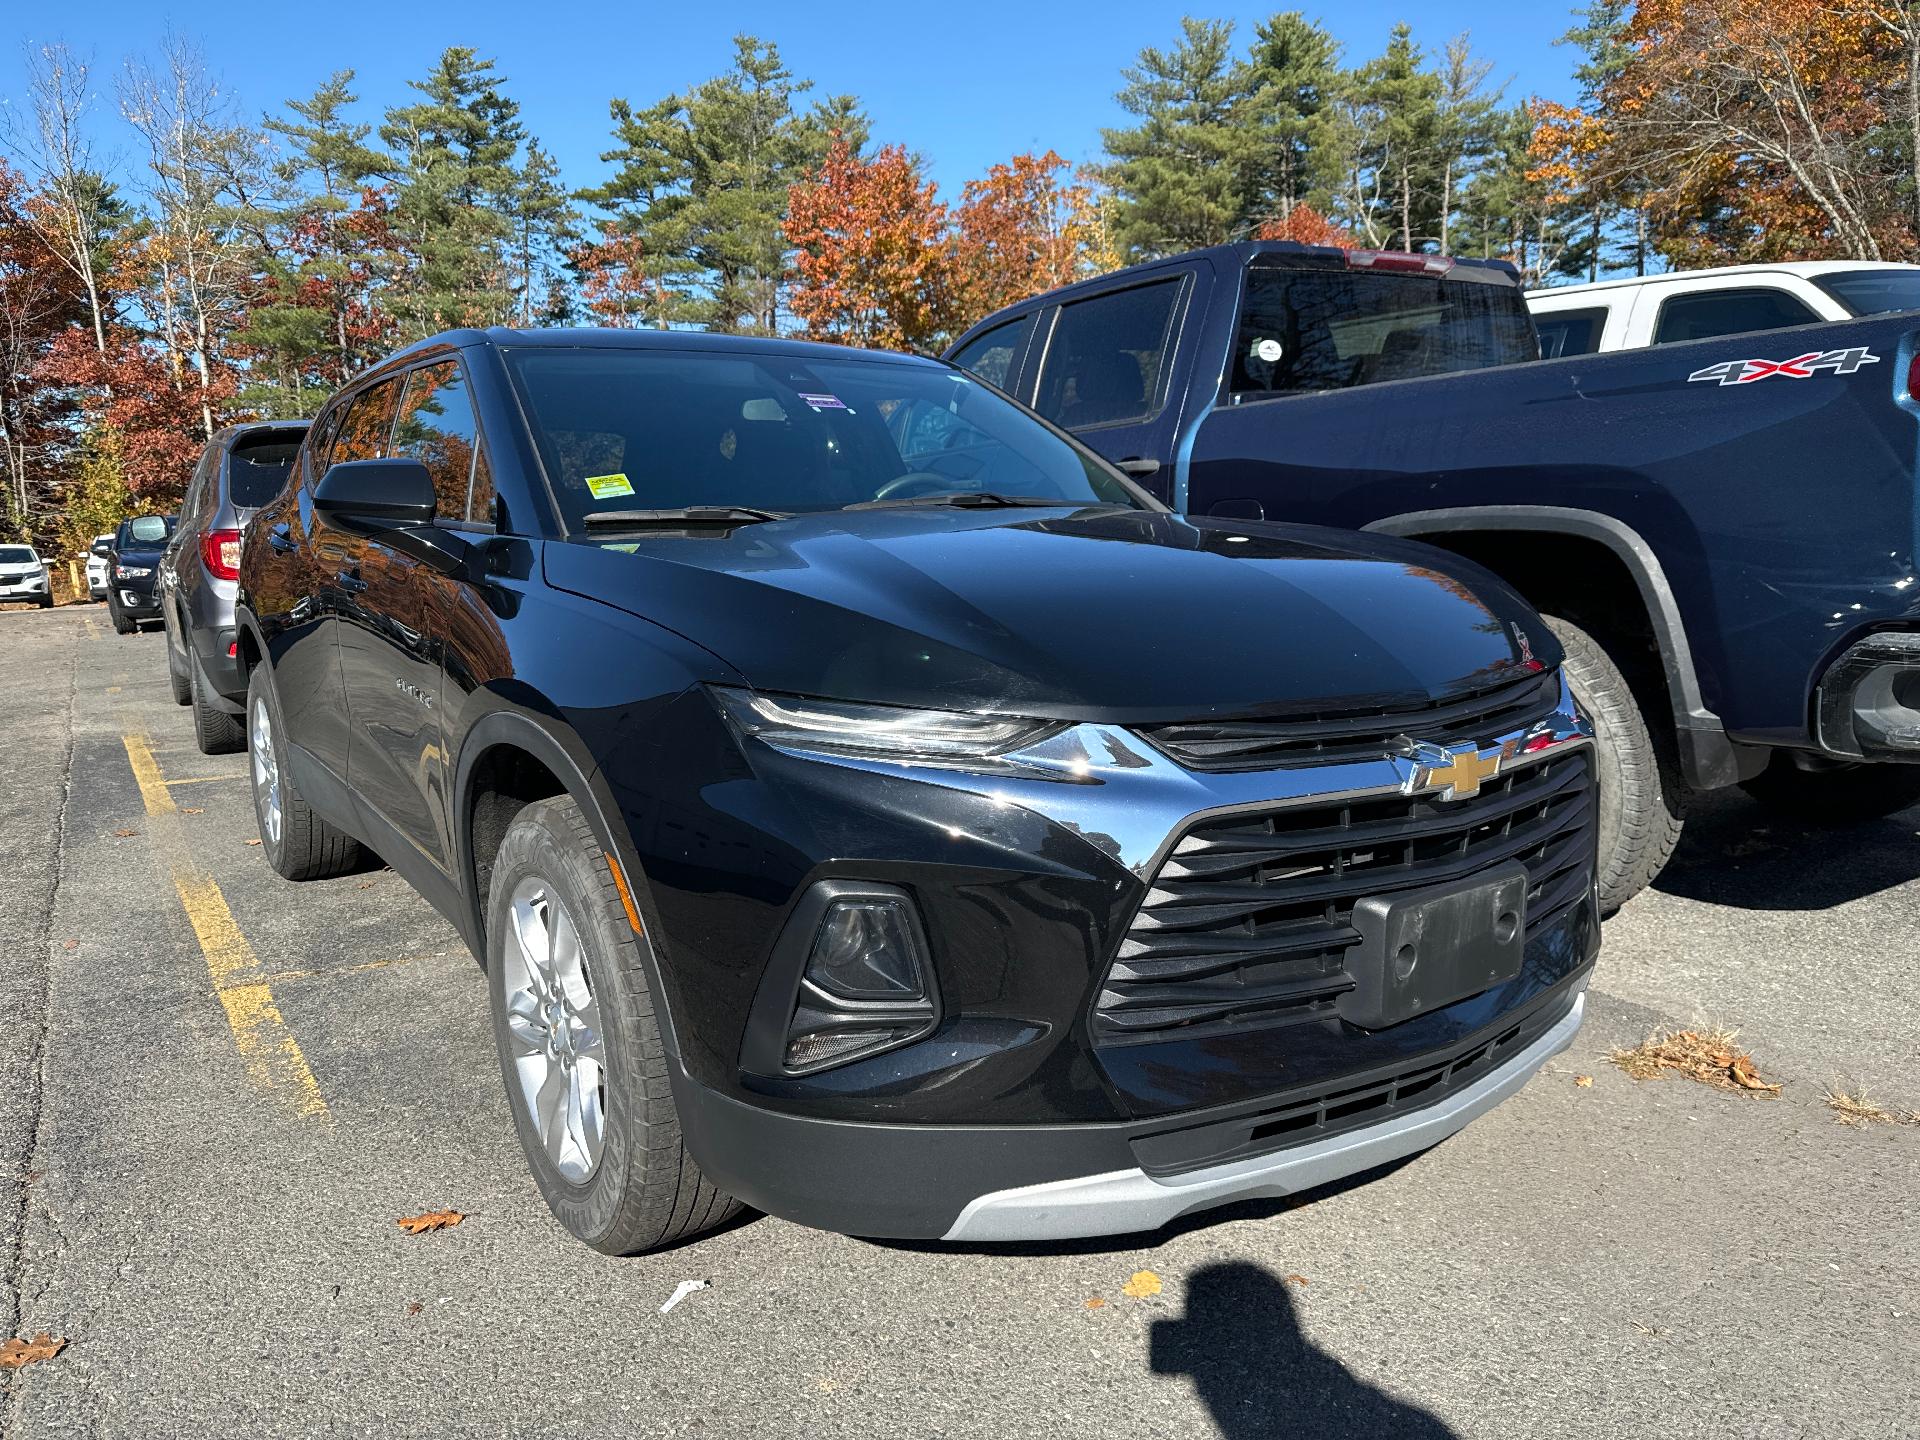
(973, 500)
(679, 515)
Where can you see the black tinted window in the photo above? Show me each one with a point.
(991, 356)
(1330, 329)
(1727, 312)
(436, 427)
(257, 469)
(1569, 332)
(1107, 357)
(1874, 292)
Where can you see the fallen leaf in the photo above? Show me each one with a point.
(70, 944)
(1709, 1057)
(122, 834)
(1297, 1280)
(432, 1220)
(253, 842)
(1096, 1303)
(1747, 1077)
(192, 810)
(1585, 1082)
(364, 885)
(17, 1352)
(1143, 1284)
(414, 1307)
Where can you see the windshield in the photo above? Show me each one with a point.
(621, 429)
(16, 555)
(145, 530)
(1874, 292)
(1330, 329)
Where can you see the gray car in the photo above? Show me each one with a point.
(243, 467)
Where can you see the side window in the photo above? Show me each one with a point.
(436, 427)
(1108, 357)
(320, 441)
(1570, 332)
(363, 433)
(1727, 312)
(994, 355)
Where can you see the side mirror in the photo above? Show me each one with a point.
(385, 494)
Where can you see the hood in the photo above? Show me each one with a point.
(1128, 616)
(140, 555)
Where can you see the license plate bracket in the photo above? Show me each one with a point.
(1422, 949)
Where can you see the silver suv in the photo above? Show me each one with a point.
(242, 468)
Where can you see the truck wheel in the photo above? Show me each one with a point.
(177, 680)
(1838, 796)
(1642, 797)
(577, 1028)
(298, 843)
(214, 730)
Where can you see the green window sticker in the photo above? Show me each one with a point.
(607, 487)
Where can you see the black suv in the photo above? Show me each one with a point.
(869, 804)
(133, 562)
(242, 468)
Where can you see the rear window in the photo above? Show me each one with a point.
(1570, 332)
(259, 466)
(1707, 314)
(1874, 292)
(16, 555)
(146, 530)
(1331, 329)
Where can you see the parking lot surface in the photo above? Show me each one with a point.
(219, 1091)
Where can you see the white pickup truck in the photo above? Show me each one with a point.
(1701, 304)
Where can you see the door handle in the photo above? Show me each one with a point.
(280, 540)
(1138, 466)
(351, 582)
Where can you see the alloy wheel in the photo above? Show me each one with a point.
(553, 1021)
(266, 771)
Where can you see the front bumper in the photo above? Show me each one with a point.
(31, 588)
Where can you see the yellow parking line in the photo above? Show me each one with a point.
(266, 1045)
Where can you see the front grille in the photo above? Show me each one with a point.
(1250, 917)
(1328, 737)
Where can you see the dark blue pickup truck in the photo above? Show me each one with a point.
(1722, 532)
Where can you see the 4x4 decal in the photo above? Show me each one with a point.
(1801, 367)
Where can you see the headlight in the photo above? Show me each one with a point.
(132, 572)
(882, 732)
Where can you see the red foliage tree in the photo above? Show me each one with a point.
(1305, 225)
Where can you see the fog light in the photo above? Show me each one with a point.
(868, 950)
(1866, 701)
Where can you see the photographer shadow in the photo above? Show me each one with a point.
(1262, 1379)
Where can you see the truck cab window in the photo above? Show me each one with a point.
(1323, 328)
(1727, 312)
(1108, 357)
(1570, 332)
(992, 356)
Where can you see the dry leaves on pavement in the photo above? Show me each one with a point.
(432, 1220)
(1857, 1108)
(1143, 1284)
(122, 834)
(1585, 1082)
(17, 1352)
(1299, 1280)
(1708, 1056)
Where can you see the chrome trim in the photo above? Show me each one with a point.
(1132, 802)
(1122, 1202)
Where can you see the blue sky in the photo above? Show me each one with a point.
(964, 84)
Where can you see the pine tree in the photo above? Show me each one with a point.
(1296, 74)
(1396, 102)
(1189, 174)
(545, 226)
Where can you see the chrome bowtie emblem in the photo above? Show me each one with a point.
(1457, 772)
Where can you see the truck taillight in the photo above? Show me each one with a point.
(1399, 260)
(1913, 377)
(220, 553)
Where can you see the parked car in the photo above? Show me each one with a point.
(133, 560)
(242, 468)
(97, 562)
(866, 844)
(23, 576)
(1721, 532)
(1686, 305)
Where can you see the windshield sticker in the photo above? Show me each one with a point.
(1800, 367)
(824, 402)
(608, 487)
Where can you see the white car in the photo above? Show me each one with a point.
(23, 577)
(1730, 300)
(97, 566)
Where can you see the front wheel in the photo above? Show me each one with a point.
(121, 624)
(1839, 795)
(578, 1031)
(1642, 795)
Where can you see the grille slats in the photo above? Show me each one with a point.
(1324, 739)
(1250, 917)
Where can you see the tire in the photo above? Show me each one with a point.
(214, 730)
(46, 602)
(1642, 795)
(639, 1190)
(298, 843)
(177, 679)
(121, 624)
(1842, 795)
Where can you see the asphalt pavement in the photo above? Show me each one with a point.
(219, 1091)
